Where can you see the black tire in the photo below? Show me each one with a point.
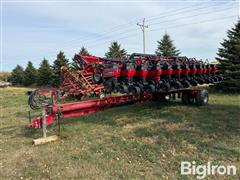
(185, 98)
(97, 78)
(206, 81)
(134, 89)
(220, 78)
(215, 79)
(193, 82)
(151, 88)
(186, 84)
(202, 97)
(210, 80)
(122, 88)
(108, 85)
(165, 86)
(200, 81)
(138, 90)
(177, 85)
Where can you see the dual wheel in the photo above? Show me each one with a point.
(200, 98)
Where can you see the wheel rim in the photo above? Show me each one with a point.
(102, 95)
(205, 100)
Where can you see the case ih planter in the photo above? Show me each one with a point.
(139, 78)
(137, 74)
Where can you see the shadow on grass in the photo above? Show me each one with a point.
(213, 118)
(205, 127)
(130, 113)
(212, 129)
(19, 131)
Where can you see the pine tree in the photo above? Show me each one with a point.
(115, 52)
(30, 74)
(57, 64)
(166, 48)
(17, 75)
(229, 58)
(83, 52)
(44, 73)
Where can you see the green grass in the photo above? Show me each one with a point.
(142, 141)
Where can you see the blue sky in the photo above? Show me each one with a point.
(32, 30)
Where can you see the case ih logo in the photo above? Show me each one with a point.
(201, 171)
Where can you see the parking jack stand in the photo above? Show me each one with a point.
(45, 139)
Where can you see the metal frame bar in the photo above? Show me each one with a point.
(92, 106)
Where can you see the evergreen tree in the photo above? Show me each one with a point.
(44, 73)
(166, 48)
(115, 52)
(229, 58)
(30, 74)
(83, 52)
(17, 75)
(57, 64)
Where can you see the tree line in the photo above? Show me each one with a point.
(228, 57)
(45, 75)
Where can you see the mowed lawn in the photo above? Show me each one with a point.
(142, 141)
